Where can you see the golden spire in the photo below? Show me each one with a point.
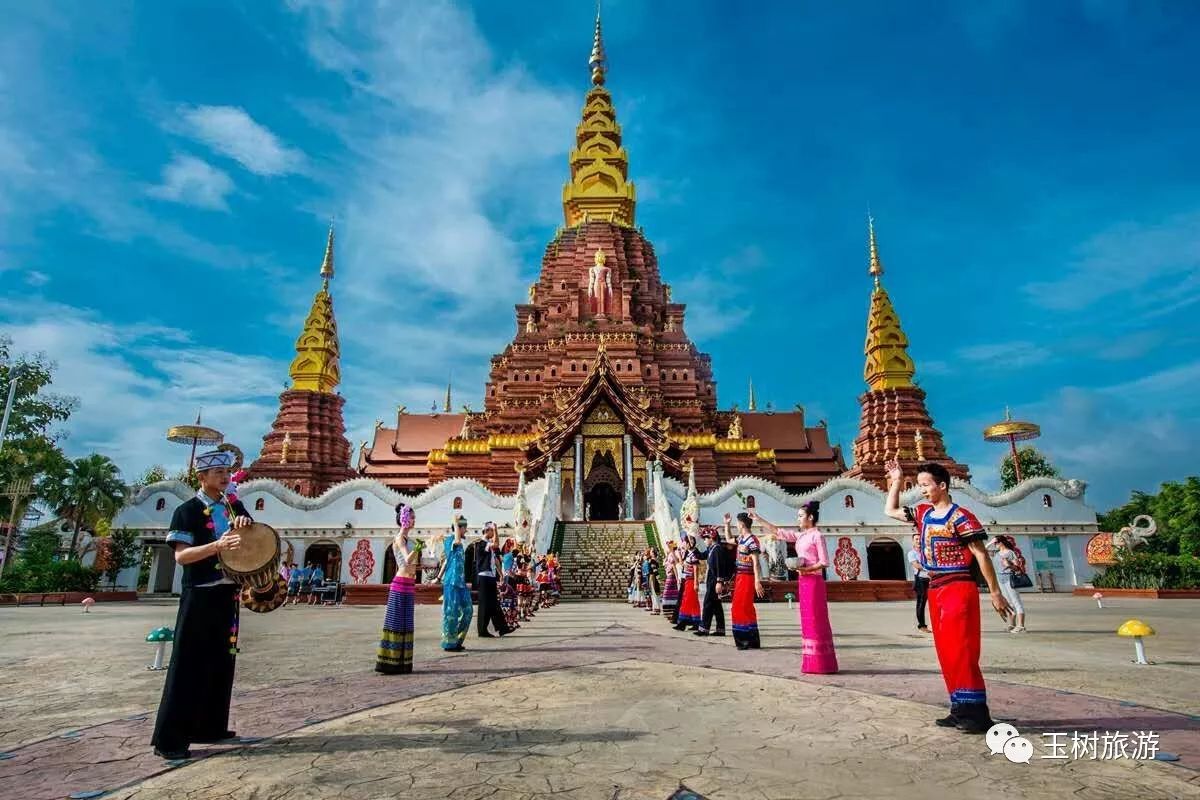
(446, 408)
(316, 366)
(597, 61)
(599, 188)
(327, 263)
(888, 364)
(752, 406)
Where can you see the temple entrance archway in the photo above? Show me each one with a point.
(885, 560)
(326, 555)
(603, 502)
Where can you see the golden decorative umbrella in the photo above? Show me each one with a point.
(1012, 431)
(195, 435)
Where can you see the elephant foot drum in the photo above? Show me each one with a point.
(255, 567)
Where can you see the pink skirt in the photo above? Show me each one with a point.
(816, 635)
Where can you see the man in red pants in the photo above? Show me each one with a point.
(951, 540)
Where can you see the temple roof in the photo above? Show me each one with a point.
(888, 363)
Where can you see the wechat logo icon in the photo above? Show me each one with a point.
(1003, 738)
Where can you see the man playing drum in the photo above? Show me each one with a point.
(195, 700)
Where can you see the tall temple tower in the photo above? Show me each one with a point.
(600, 376)
(307, 448)
(894, 421)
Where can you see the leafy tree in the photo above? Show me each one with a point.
(122, 552)
(30, 449)
(1034, 464)
(153, 474)
(93, 491)
(1176, 512)
(189, 477)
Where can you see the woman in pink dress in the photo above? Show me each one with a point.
(816, 635)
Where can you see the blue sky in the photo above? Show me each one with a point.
(167, 172)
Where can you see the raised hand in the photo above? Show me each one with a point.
(728, 519)
(753, 515)
(894, 473)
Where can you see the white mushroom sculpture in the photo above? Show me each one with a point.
(1099, 598)
(1137, 629)
(160, 636)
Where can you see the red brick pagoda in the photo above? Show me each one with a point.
(895, 422)
(601, 376)
(307, 449)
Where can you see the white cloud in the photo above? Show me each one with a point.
(135, 381)
(1006, 355)
(36, 279)
(234, 133)
(1144, 266)
(193, 182)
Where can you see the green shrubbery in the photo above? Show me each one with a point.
(1143, 570)
(56, 576)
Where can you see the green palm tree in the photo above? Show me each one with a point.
(92, 491)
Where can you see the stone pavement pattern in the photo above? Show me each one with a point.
(303, 670)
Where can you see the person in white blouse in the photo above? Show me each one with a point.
(920, 582)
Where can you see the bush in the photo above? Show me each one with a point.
(1142, 570)
(54, 576)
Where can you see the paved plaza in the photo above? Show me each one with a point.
(600, 700)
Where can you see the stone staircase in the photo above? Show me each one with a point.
(596, 557)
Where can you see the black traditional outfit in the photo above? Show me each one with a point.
(196, 695)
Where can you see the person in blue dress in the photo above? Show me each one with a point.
(456, 595)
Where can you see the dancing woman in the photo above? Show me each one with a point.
(670, 596)
(689, 599)
(816, 635)
(456, 595)
(395, 653)
(747, 584)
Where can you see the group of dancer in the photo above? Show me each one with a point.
(950, 547)
(511, 582)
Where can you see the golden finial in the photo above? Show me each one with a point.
(597, 61)
(876, 264)
(752, 405)
(446, 408)
(327, 262)
(919, 441)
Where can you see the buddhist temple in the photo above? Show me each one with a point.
(307, 449)
(601, 375)
(895, 422)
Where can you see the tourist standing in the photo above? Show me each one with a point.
(920, 582)
(747, 585)
(652, 567)
(1012, 570)
(486, 555)
(670, 597)
(950, 543)
(195, 699)
(395, 653)
(716, 575)
(456, 595)
(689, 600)
(816, 634)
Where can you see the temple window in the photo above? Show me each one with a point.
(260, 504)
(908, 484)
(750, 501)
(457, 504)
(848, 501)
(685, 374)
(647, 370)
(358, 504)
(527, 377)
(296, 488)
(160, 504)
(553, 372)
(618, 366)
(1047, 501)
(572, 366)
(674, 375)
(537, 376)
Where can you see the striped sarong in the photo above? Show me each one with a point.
(395, 653)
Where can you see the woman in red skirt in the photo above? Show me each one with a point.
(746, 586)
(689, 600)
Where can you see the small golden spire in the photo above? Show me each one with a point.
(876, 264)
(446, 408)
(597, 61)
(316, 367)
(327, 262)
(752, 406)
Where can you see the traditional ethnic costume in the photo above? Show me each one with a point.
(816, 634)
(670, 597)
(196, 695)
(655, 587)
(954, 609)
(689, 600)
(395, 653)
(456, 598)
(741, 610)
